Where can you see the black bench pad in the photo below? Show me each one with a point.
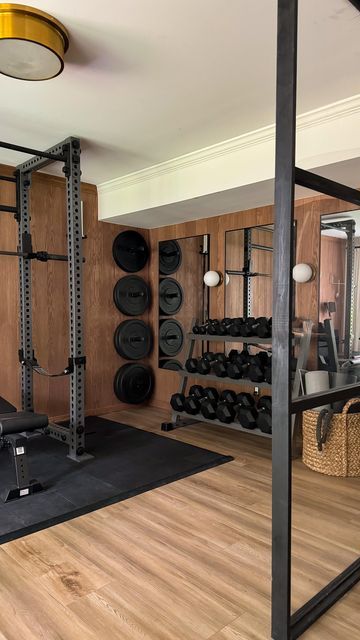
(22, 421)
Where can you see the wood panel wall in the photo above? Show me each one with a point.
(100, 276)
(332, 279)
(50, 297)
(307, 214)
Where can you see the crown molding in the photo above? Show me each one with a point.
(315, 118)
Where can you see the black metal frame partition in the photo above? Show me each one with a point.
(67, 152)
(284, 625)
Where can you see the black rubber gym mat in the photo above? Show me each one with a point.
(127, 462)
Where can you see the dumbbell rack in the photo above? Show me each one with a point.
(177, 418)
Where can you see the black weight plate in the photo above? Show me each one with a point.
(170, 256)
(171, 337)
(170, 296)
(132, 295)
(133, 383)
(133, 339)
(130, 251)
(173, 365)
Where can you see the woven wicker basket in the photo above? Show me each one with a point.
(335, 450)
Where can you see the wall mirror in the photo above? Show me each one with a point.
(183, 296)
(339, 291)
(248, 267)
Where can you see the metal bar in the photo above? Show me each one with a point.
(77, 377)
(349, 289)
(356, 4)
(254, 340)
(32, 152)
(8, 179)
(304, 617)
(324, 185)
(247, 263)
(261, 247)
(213, 378)
(24, 254)
(57, 153)
(314, 400)
(8, 209)
(232, 425)
(282, 315)
(331, 344)
(246, 274)
(26, 343)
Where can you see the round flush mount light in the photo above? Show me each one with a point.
(303, 272)
(32, 43)
(212, 278)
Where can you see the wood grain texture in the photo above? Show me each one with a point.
(50, 299)
(308, 212)
(187, 561)
(332, 279)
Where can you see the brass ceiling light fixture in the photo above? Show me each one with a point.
(32, 43)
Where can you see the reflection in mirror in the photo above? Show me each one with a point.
(339, 296)
(183, 296)
(249, 272)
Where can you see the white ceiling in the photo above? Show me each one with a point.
(146, 81)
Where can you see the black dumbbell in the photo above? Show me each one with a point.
(199, 328)
(264, 327)
(258, 364)
(239, 365)
(177, 400)
(246, 329)
(191, 365)
(264, 420)
(219, 367)
(208, 360)
(225, 410)
(268, 374)
(207, 404)
(235, 327)
(196, 395)
(246, 413)
(212, 327)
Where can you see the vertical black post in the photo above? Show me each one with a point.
(77, 377)
(246, 278)
(349, 290)
(282, 316)
(25, 289)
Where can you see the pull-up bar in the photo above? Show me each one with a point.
(42, 256)
(6, 209)
(33, 152)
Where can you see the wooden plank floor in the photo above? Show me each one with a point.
(187, 561)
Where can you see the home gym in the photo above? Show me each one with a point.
(180, 379)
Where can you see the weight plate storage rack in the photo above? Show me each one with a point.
(300, 339)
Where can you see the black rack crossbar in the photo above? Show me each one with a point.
(33, 152)
(322, 601)
(314, 400)
(356, 4)
(324, 185)
(42, 256)
(5, 209)
(7, 179)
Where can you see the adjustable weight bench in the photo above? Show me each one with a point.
(13, 424)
